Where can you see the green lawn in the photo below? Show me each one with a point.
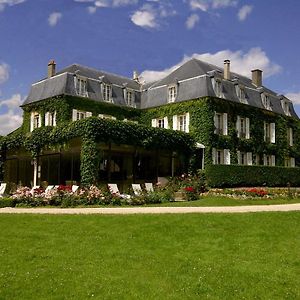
(211, 256)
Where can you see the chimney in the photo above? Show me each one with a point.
(227, 69)
(257, 77)
(135, 76)
(51, 68)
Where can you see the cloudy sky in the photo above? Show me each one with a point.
(151, 36)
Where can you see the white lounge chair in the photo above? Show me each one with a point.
(34, 188)
(49, 188)
(137, 189)
(75, 188)
(2, 189)
(149, 187)
(113, 188)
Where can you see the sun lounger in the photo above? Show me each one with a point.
(149, 187)
(113, 188)
(137, 189)
(2, 189)
(75, 188)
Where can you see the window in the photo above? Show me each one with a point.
(221, 156)
(220, 122)
(129, 97)
(256, 159)
(172, 93)
(240, 91)
(79, 115)
(265, 99)
(244, 158)
(50, 119)
(269, 160)
(289, 162)
(269, 132)
(81, 86)
(286, 107)
(217, 86)
(181, 122)
(35, 121)
(161, 122)
(243, 127)
(107, 92)
(290, 136)
(110, 117)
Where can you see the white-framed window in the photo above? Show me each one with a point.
(286, 107)
(35, 121)
(243, 127)
(269, 160)
(221, 156)
(129, 97)
(217, 86)
(107, 92)
(266, 102)
(182, 122)
(79, 114)
(160, 123)
(244, 158)
(220, 122)
(269, 132)
(289, 162)
(81, 86)
(290, 136)
(172, 93)
(109, 117)
(50, 118)
(240, 91)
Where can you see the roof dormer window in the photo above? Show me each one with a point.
(240, 91)
(265, 99)
(107, 92)
(129, 97)
(286, 107)
(172, 93)
(217, 86)
(81, 86)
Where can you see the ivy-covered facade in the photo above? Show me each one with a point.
(83, 125)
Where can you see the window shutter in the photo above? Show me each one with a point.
(40, 120)
(225, 128)
(74, 115)
(88, 114)
(54, 119)
(238, 126)
(293, 162)
(187, 122)
(215, 122)
(154, 123)
(273, 163)
(175, 125)
(291, 136)
(238, 153)
(214, 154)
(166, 123)
(47, 118)
(265, 131)
(226, 156)
(247, 128)
(265, 159)
(31, 121)
(249, 158)
(272, 128)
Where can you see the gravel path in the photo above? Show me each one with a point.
(151, 210)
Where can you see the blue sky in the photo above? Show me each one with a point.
(151, 36)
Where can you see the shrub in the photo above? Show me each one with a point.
(7, 202)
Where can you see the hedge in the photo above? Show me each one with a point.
(7, 202)
(237, 176)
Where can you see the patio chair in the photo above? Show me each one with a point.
(113, 188)
(75, 188)
(137, 189)
(2, 189)
(149, 187)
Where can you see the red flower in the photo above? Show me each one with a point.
(189, 189)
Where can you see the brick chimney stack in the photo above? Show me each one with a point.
(257, 77)
(51, 68)
(227, 69)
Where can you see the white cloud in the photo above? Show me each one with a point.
(4, 3)
(241, 63)
(92, 9)
(145, 17)
(191, 21)
(205, 5)
(12, 119)
(295, 97)
(4, 72)
(244, 12)
(54, 18)
(109, 3)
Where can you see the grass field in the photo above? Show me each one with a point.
(211, 256)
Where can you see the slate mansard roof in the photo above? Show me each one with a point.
(193, 80)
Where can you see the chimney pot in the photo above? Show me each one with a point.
(51, 68)
(227, 69)
(257, 77)
(135, 76)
